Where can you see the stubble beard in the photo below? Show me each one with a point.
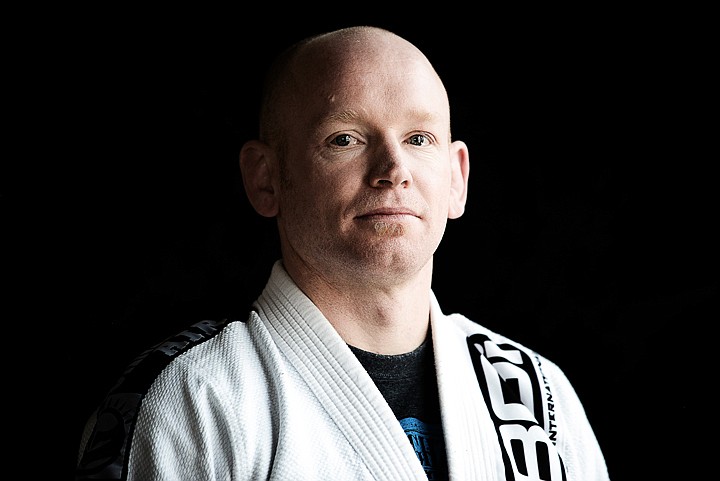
(389, 229)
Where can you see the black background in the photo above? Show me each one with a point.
(589, 233)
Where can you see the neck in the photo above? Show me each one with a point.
(383, 324)
(384, 318)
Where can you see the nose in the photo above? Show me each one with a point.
(390, 167)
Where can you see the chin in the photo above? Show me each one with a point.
(389, 229)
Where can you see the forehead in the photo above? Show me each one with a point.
(347, 85)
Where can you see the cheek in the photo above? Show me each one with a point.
(436, 191)
(313, 198)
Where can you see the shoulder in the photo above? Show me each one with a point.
(199, 338)
(190, 360)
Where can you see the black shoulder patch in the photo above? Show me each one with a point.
(106, 453)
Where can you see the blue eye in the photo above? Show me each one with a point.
(342, 140)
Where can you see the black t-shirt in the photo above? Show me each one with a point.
(408, 383)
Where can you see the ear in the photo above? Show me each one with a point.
(258, 174)
(460, 173)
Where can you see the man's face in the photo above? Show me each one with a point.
(367, 175)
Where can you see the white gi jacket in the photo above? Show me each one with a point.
(280, 396)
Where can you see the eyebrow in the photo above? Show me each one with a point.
(352, 115)
(342, 116)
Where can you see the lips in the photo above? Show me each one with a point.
(390, 212)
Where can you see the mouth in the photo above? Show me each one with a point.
(389, 221)
(389, 214)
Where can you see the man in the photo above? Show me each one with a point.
(347, 368)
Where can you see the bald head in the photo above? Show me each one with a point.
(312, 68)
